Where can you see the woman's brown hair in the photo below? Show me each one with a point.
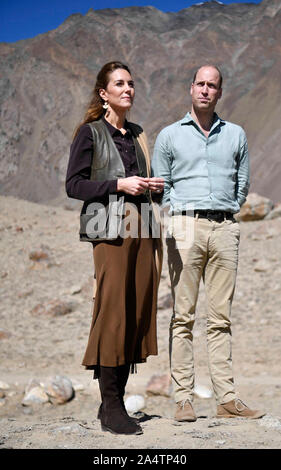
(95, 108)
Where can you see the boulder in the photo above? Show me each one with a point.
(256, 207)
(262, 266)
(160, 385)
(59, 389)
(134, 403)
(4, 385)
(38, 255)
(34, 394)
(54, 308)
(202, 392)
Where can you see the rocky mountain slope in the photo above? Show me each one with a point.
(45, 84)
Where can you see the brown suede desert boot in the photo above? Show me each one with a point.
(237, 409)
(185, 412)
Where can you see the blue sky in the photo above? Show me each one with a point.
(22, 19)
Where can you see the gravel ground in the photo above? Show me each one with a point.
(46, 287)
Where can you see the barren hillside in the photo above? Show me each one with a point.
(45, 83)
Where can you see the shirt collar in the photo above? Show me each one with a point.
(188, 119)
(113, 130)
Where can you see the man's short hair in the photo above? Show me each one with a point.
(214, 67)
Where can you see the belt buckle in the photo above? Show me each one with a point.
(210, 215)
(214, 215)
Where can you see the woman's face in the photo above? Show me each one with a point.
(120, 92)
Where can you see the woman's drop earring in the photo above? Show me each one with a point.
(105, 105)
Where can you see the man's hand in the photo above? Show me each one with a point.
(156, 184)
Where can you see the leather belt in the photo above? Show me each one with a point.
(218, 216)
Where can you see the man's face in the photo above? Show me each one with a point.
(206, 91)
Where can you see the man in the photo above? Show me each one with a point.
(204, 162)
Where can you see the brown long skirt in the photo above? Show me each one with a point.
(123, 329)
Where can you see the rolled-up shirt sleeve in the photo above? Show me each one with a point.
(78, 184)
(243, 172)
(161, 164)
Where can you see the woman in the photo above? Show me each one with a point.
(109, 162)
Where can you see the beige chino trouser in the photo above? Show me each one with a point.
(199, 247)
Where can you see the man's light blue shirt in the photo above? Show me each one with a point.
(202, 172)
